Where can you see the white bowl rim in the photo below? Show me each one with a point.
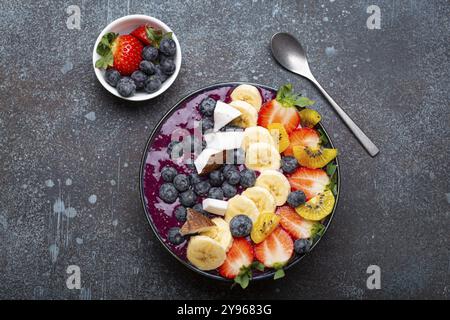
(139, 96)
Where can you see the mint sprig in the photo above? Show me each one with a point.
(246, 274)
(279, 273)
(289, 99)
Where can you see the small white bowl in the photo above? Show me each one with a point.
(125, 25)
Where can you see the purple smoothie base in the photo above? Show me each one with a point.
(161, 213)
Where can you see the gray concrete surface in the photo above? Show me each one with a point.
(64, 141)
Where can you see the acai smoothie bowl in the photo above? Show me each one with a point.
(240, 181)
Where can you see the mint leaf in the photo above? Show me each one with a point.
(331, 169)
(323, 137)
(242, 279)
(258, 266)
(278, 274)
(317, 230)
(304, 102)
(288, 99)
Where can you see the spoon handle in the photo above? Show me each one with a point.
(359, 134)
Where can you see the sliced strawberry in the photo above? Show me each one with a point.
(239, 256)
(276, 249)
(123, 52)
(141, 33)
(310, 181)
(305, 137)
(275, 112)
(295, 225)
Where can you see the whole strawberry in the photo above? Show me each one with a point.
(123, 52)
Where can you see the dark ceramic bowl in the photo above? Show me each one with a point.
(155, 214)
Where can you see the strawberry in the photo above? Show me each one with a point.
(295, 225)
(122, 52)
(141, 33)
(305, 137)
(281, 110)
(239, 258)
(310, 181)
(276, 250)
(148, 35)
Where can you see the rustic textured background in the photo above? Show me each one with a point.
(70, 151)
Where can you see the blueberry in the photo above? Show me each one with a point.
(202, 188)
(180, 213)
(139, 78)
(302, 246)
(168, 47)
(296, 198)
(248, 178)
(207, 107)
(207, 124)
(147, 67)
(168, 173)
(160, 74)
(150, 53)
(216, 178)
(229, 167)
(181, 182)
(176, 148)
(194, 178)
(126, 87)
(215, 193)
(175, 237)
(188, 198)
(167, 66)
(232, 176)
(112, 76)
(168, 193)
(289, 164)
(229, 191)
(199, 208)
(152, 84)
(240, 225)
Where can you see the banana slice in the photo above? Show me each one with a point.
(254, 135)
(276, 183)
(262, 156)
(262, 197)
(205, 253)
(241, 205)
(247, 93)
(248, 117)
(221, 233)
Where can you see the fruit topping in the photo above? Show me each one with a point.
(248, 178)
(249, 94)
(168, 173)
(248, 117)
(195, 223)
(139, 79)
(223, 113)
(168, 193)
(215, 206)
(296, 198)
(279, 136)
(276, 250)
(175, 237)
(208, 160)
(220, 232)
(241, 205)
(180, 213)
(112, 76)
(241, 226)
(318, 207)
(262, 156)
(152, 84)
(295, 225)
(254, 135)
(188, 198)
(232, 177)
(215, 193)
(310, 181)
(168, 47)
(207, 107)
(123, 52)
(202, 188)
(264, 225)
(150, 53)
(229, 190)
(262, 198)
(276, 183)
(216, 178)
(181, 182)
(302, 246)
(314, 157)
(147, 67)
(239, 257)
(205, 253)
(126, 87)
(289, 164)
(303, 137)
(309, 118)
(167, 66)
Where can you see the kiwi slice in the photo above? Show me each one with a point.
(309, 118)
(318, 207)
(314, 157)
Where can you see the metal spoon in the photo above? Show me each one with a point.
(290, 54)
